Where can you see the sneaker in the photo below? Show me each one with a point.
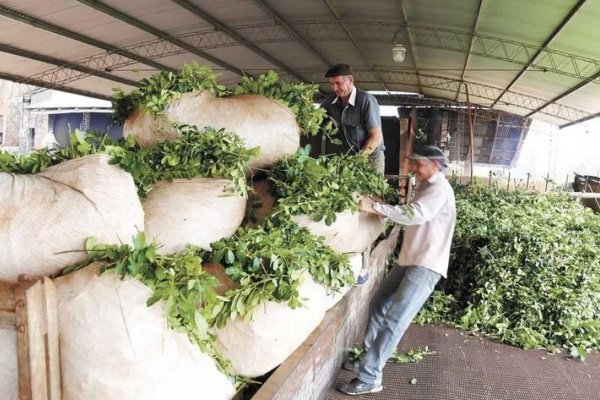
(351, 365)
(356, 387)
(362, 279)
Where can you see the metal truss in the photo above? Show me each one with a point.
(423, 36)
(434, 37)
(479, 90)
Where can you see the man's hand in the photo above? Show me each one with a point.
(366, 205)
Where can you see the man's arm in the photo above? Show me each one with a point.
(422, 209)
(372, 121)
(373, 140)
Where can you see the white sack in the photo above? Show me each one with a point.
(114, 347)
(58, 209)
(275, 332)
(350, 233)
(195, 211)
(9, 377)
(258, 120)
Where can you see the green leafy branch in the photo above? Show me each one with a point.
(268, 263)
(323, 186)
(208, 153)
(159, 90)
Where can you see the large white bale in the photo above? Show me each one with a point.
(9, 378)
(350, 233)
(258, 120)
(256, 347)
(115, 347)
(57, 210)
(196, 211)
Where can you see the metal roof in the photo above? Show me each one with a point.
(535, 58)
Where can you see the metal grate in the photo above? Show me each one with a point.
(474, 368)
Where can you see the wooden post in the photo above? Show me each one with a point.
(30, 308)
(471, 136)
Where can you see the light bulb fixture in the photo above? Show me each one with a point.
(398, 52)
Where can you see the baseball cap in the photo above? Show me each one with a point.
(431, 153)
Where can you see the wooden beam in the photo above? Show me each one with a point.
(8, 318)
(37, 340)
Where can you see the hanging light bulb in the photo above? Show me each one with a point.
(398, 52)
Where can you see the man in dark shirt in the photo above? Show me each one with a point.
(356, 114)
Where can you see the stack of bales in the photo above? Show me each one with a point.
(112, 345)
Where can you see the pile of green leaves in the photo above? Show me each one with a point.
(157, 92)
(268, 262)
(208, 153)
(323, 186)
(297, 96)
(525, 269)
(82, 144)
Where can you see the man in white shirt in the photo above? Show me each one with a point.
(429, 222)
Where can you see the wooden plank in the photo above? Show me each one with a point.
(8, 320)
(7, 296)
(31, 345)
(52, 349)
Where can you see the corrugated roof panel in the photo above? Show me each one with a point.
(438, 62)
(231, 12)
(585, 98)
(490, 71)
(293, 10)
(80, 18)
(22, 66)
(294, 55)
(98, 85)
(164, 15)
(545, 85)
(36, 40)
(357, 9)
(581, 35)
(441, 13)
(528, 21)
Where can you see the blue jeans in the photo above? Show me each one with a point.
(400, 297)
